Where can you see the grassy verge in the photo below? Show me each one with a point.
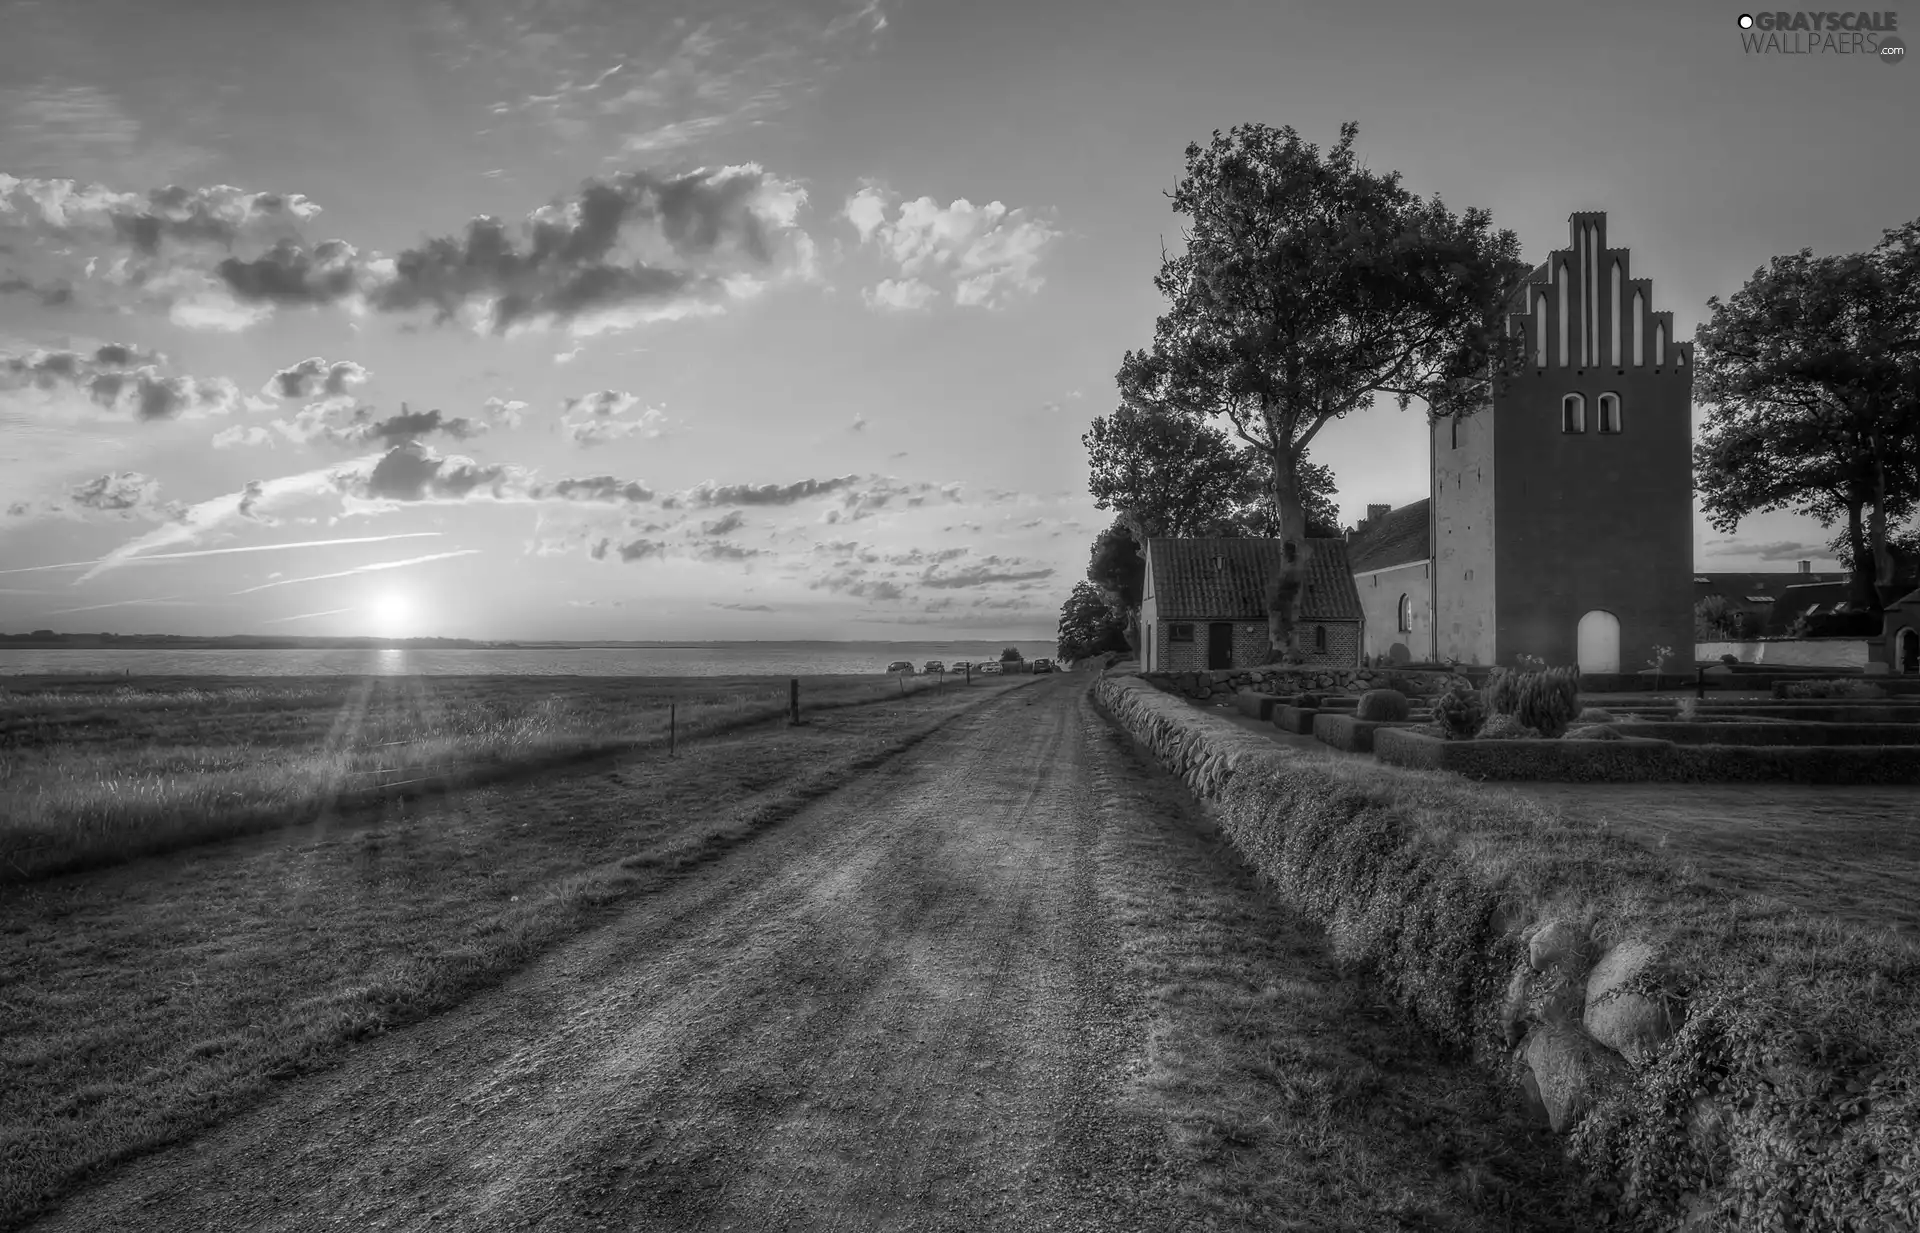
(97, 771)
(144, 1002)
(1789, 1094)
(1297, 1096)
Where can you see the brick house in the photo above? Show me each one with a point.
(1898, 646)
(1203, 605)
(1391, 554)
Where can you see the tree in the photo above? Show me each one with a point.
(1715, 620)
(1118, 570)
(1169, 474)
(1811, 373)
(1308, 286)
(1088, 626)
(1011, 655)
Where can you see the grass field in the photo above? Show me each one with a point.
(145, 1001)
(103, 769)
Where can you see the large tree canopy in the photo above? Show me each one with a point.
(1308, 286)
(1087, 625)
(1118, 569)
(1171, 474)
(1811, 373)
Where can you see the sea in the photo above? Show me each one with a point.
(703, 659)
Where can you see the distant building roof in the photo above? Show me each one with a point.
(1401, 538)
(1189, 585)
(1810, 599)
(1757, 592)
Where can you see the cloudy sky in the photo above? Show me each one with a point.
(776, 319)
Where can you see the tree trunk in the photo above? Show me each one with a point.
(1287, 586)
(1860, 589)
(1877, 532)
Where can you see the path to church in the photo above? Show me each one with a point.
(906, 1007)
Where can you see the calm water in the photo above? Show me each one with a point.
(719, 659)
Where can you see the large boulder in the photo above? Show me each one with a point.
(1630, 1023)
(1567, 1071)
(1559, 942)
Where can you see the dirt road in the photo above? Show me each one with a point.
(905, 1008)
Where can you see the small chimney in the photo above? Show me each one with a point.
(1806, 567)
(1375, 513)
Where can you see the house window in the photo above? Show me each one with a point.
(1609, 413)
(1573, 413)
(1406, 614)
(1319, 637)
(1179, 633)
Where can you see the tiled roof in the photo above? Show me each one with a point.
(1756, 592)
(1827, 597)
(1398, 539)
(1188, 585)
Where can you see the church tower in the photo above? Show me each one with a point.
(1563, 514)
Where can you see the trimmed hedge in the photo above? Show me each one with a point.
(1788, 1095)
(1350, 733)
(1644, 759)
(1723, 732)
(1295, 719)
(1258, 706)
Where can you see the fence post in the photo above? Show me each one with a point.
(1700, 684)
(672, 724)
(793, 700)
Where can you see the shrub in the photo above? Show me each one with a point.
(1548, 700)
(1688, 709)
(1502, 691)
(1307, 702)
(1832, 689)
(1504, 728)
(1011, 655)
(1593, 732)
(1458, 713)
(1729, 660)
(1383, 704)
(1595, 715)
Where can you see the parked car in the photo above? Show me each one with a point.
(962, 665)
(900, 665)
(990, 668)
(1042, 665)
(934, 668)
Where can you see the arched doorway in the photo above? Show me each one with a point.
(1599, 642)
(1906, 658)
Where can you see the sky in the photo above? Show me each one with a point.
(593, 319)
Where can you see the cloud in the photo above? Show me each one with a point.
(222, 215)
(732, 521)
(859, 424)
(241, 434)
(127, 493)
(104, 375)
(314, 377)
(1779, 550)
(503, 411)
(569, 356)
(899, 295)
(632, 248)
(709, 493)
(744, 607)
(988, 252)
(376, 567)
(649, 80)
(341, 421)
(593, 419)
(983, 574)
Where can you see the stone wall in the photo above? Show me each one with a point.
(1223, 683)
(1497, 938)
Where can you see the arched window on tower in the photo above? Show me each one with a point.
(1406, 614)
(1609, 412)
(1573, 413)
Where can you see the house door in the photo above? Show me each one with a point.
(1909, 652)
(1220, 645)
(1599, 642)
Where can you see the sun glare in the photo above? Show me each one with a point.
(391, 613)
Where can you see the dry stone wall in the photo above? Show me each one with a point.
(1593, 1028)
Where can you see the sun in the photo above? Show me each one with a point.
(391, 612)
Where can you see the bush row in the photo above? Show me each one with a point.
(1645, 759)
(1782, 1089)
